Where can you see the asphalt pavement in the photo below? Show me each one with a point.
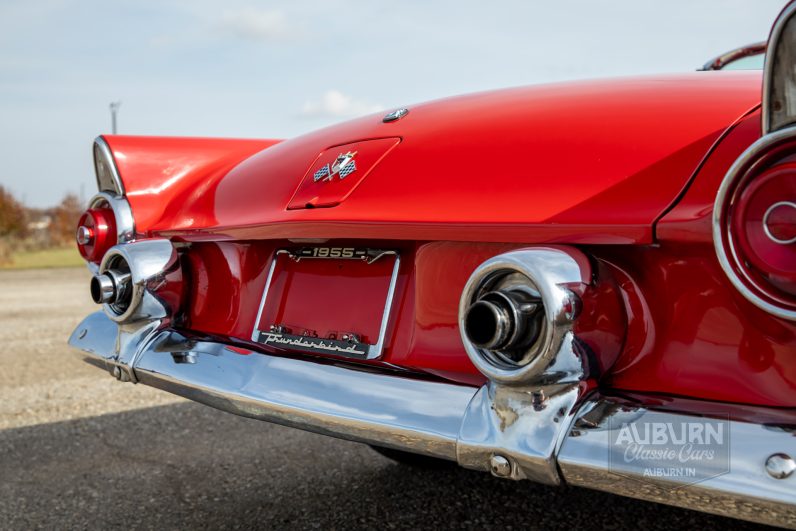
(79, 450)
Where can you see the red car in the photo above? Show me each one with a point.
(588, 283)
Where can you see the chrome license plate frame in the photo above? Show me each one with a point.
(351, 346)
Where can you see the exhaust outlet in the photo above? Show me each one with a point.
(139, 281)
(102, 289)
(111, 287)
(503, 320)
(517, 311)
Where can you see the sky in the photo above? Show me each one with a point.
(278, 69)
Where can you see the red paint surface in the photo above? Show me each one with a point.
(594, 164)
(692, 334)
(688, 332)
(690, 219)
(176, 178)
(328, 298)
(574, 154)
(423, 333)
(544, 163)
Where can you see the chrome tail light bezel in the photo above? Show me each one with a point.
(729, 256)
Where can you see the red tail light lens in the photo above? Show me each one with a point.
(755, 224)
(96, 233)
(765, 224)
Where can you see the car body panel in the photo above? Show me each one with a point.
(174, 176)
(687, 332)
(441, 243)
(472, 165)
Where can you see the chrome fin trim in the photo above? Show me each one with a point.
(779, 87)
(108, 180)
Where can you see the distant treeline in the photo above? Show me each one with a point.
(24, 229)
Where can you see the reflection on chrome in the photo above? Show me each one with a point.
(545, 433)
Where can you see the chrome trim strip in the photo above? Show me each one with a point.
(447, 421)
(721, 233)
(255, 332)
(720, 61)
(375, 350)
(747, 491)
(102, 149)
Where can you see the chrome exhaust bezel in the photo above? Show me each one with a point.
(149, 262)
(549, 271)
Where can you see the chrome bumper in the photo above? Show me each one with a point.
(490, 428)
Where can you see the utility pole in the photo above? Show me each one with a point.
(114, 109)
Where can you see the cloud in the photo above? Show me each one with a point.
(255, 24)
(335, 104)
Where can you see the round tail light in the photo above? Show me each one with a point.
(754, 224)
(107, 222)
(96, 233)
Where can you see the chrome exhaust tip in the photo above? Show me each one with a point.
(503, 320)
(517, 311)
(102, 289)
(112, 287)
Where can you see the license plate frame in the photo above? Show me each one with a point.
(349, 347)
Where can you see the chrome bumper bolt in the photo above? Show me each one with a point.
(119, 374)
(500, 466)
(780, 466)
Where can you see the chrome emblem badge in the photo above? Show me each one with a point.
(395, 115)
(344, 165)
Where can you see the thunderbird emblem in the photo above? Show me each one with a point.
(344, 165)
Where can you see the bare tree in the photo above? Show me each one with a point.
(64, 220)
(12, 215)
(12, 224)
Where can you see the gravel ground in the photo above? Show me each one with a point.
(79, 450)
(40, 379)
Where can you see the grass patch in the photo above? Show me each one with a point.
(64, 257)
